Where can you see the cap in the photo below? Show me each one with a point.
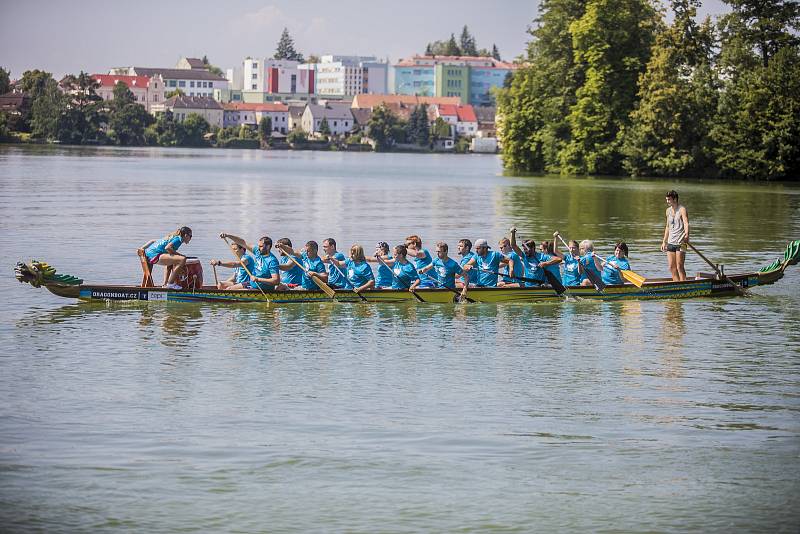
(382, 245)
(482, 243)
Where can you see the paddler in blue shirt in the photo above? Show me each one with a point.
(589, 262)
(571, 259)
(240, 278)
(291, 274)
(420, 257)
(404, 274)
(516, 266)
(465, 251)
(537, 263)
(336, 279)
(358, 271)
(616, 262)
(266, 273)
(444, 268)
(309, 258)
(487, 262)
(384, 278)
(165, 252)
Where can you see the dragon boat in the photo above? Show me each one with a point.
(40, 274)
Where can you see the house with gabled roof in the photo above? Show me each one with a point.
(182, 106)
(338, 117)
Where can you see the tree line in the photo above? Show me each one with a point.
(611, 87)
(464, 46)
(75, 114)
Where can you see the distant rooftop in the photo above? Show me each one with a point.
(192, 102)
(472, 61)
(179, 74)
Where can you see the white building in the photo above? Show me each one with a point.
(147, 91)
(350, 75)
(193, 82)
(238, 113)
(338, 116)
(264, 80)
(208, 108)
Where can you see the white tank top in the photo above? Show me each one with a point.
(676, 226)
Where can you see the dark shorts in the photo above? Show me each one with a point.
(675, 248)
(154, 259)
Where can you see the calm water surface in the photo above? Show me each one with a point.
(584, 416)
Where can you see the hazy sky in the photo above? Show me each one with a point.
(66, 37)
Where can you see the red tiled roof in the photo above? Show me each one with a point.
(110, 80)
(448, 109)
(466, 114)
(245, 106)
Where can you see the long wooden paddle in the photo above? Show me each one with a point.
(736, 287)
(335, 266)
(248, 272)
(216, 280)
(380, 260)
(557, 286)
(328, 290)
(596, 281)
(461, 294)
(634, 278)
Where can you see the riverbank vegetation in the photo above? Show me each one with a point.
(613, 87)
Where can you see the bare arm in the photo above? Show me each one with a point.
(556, 252)
(685, 217)
(148, 244)
(238, 240)
(514, 245)
(666, 232)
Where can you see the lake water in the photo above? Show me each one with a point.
(582, 416)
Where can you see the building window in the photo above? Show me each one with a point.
(255, 65)
(255, 75)
(191, 84)
(182, 83)
(254, 87)
(172, 83)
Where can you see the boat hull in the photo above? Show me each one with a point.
(705, 287)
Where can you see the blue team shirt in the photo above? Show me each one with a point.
(612, 275)
(536, 271)
(293, 276)
(446, 271)
(384, 278)
(468, 256)
(519, 268)
(241, 275)
(404, 275)
(419, 263)
(491, 262)
(336, 278)
(263, 267)
(160, 247)
(571, 276)
(553, 269)
(588, 265)
(315, 266)
(358, 273)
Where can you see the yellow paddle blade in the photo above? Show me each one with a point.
(634, 278)
(328, 290)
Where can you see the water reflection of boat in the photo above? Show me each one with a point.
(701, 286)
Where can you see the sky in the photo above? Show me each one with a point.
(94, 36)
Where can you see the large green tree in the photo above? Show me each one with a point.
(285, 49)
(127, 119)
(533, 109)
(668, 134)
(382, 127)
(467, 42)
(192, 131)
(756, 131)
(85, 114)
(47, 110)
(612, 40)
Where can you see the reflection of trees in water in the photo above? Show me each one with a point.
(608, 210)
(177, 323)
